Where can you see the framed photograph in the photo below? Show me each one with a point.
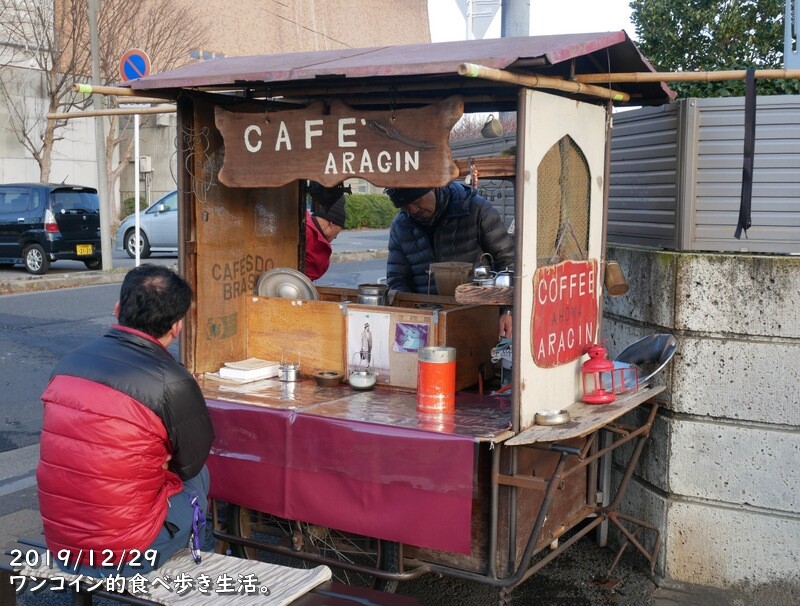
(410, 336)
(368, 342)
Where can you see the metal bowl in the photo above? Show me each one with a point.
(551, 417)
(286, 283)
(328, 378)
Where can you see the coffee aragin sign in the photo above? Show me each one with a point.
(564, 312)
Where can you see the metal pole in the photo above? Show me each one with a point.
(136, 227)
(791, 54)
(515, 18)
(99, 141)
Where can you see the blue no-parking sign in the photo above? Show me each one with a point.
(134, 64)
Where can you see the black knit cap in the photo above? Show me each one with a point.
(400, 196)
(335, 214)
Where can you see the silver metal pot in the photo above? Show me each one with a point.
(482, 272)
(504, 278)
(373, 294)
(289, 372)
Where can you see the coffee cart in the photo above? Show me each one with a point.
(362, 480)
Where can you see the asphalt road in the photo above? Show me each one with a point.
(38, 328)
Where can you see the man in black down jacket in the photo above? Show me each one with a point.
(451, 223)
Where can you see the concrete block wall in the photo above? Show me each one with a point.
(721, 476)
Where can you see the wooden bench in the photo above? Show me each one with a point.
(28, 563)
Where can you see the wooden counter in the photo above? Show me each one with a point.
(481, 418)
(585, 418)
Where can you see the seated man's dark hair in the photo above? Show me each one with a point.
(152, 299)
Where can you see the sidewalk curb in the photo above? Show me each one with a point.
(71, 280)
(359, 255)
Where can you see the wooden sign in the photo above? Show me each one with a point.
(332, 142)
(565, 308)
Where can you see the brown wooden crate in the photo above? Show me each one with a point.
(285, 330)
(473, 331)
(415, 300)
(567, 504)
(336, 293)
(317, 331)
(396, 299)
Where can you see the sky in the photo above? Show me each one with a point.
(547, 17)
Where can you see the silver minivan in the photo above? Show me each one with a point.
(158, 229)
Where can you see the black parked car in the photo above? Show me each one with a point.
(43, 222)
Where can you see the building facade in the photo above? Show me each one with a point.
(247, 27)
(252, 27)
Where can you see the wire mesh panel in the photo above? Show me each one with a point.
(563, 186)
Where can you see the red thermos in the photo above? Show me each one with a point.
(436, 379)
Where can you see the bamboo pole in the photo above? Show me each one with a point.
(118, 91)
(110, 112)
(89, 89)
(738, 74)
(472, 70)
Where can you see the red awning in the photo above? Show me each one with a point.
(425, 65)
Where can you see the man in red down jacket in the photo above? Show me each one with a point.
(125, 437)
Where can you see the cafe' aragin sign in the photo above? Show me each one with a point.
(330, 142)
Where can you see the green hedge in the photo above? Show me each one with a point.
(369, 210)
(363, 210)
(128, 206)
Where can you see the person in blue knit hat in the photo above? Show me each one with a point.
(450, 223)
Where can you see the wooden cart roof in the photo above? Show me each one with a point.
(410, 70)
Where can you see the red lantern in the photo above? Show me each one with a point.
(598, 377)
(626, 379)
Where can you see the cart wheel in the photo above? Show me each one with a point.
(310, 538)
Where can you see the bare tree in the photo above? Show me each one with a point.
(470, 125)
(46, 50)
(41, 54)
(165, 34)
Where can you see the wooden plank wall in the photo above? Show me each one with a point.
(240, 233)
(285, 330)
